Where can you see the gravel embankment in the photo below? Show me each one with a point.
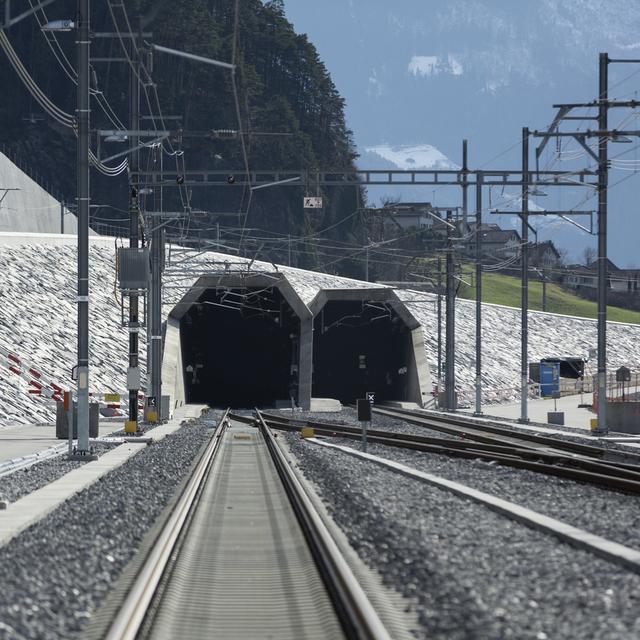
(58, 572)
(23, 481)
(611, 514)
(472, 573)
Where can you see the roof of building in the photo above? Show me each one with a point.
(538, 250)
(499, 236)
(593, 266)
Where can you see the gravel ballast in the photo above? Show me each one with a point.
(611, 514)
(472, 573)
(607, 513)
(58, 572)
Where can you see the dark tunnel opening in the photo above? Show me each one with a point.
(240, 348)
(360, 346)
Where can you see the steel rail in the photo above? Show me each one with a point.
(570, 467)
(482, 444)
(626, 557)
(459, 426)
(413, 441)
(357, 615)
(353, 609)
(130, 617)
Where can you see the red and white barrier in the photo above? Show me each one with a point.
(41, 385)
(38, 384)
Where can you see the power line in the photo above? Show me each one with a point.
(55, 112)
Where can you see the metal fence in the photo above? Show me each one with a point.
(615, 391)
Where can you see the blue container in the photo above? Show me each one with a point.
(549, 378)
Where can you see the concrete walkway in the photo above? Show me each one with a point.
(36, 505)
(574, 417)
(27, 439)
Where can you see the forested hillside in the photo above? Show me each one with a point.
(282, 87)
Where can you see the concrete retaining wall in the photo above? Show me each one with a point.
(623, 416)
(28, 207)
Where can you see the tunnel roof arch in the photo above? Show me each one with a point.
(238, 281)
(374, 294)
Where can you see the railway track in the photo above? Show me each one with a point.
(495, 434)
(244, 554)
(587, 466)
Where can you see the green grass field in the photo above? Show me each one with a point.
(505, 290)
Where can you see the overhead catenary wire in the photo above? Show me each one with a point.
(49, 107)
(234, 47)
(68, 68)
(145, 83)
(54, 111)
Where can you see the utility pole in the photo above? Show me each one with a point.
(603, 179)
(154, 332)
(133, 374)
(544, 291)
(366, 263)
(524, 361)
(62, 217)
(82, 117)
(439, 331)
(478, 411)
(289, 250)
(465, 186)
(157, 251)
(450, 320)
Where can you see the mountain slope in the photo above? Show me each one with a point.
(433, 73)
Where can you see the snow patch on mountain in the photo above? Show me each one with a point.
(421, 156)
(434, 65)
(376, 87)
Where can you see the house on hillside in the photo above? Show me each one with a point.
(544, 255)
(618, 280)
(421, 215)
(413, 215)
(498, 244)
(580, 277)
(501, 243)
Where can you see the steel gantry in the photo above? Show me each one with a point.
(365, 177)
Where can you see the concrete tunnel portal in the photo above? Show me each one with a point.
(245, 340)
(240, 347)
(366, 340)
(360, 346)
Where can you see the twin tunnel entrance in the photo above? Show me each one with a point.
(253, 342)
